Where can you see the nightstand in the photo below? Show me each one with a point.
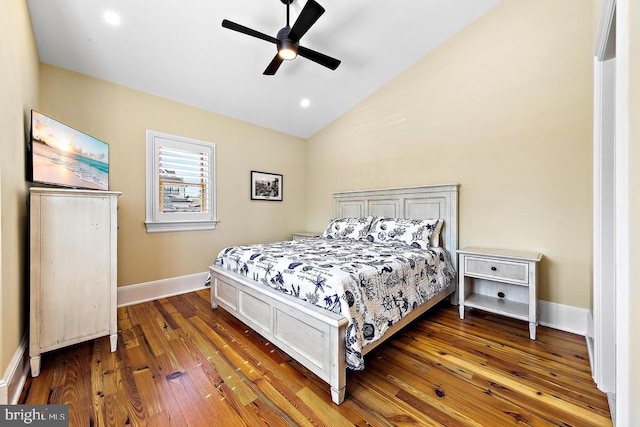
(304, 235)
(500, 281)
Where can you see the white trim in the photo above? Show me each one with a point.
(16, 374)
(590, 342)
(160, 227)
(563, 317)
(604, 260)
(157, 221)
(604, 29)
(149, 291)
(611, 399)
(624, 406)
(603, 327)
(590, 352)
(558, 316)
(590, 322)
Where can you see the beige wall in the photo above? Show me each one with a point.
(504, 109)
(120, 116)
(18, 94)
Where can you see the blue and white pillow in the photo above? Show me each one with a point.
(348, 228)
(419, 233)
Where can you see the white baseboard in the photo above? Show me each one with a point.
(590, 324)
(611, 398)
(149, 291)
(558, 316)
(590, 351)
(564, 317)
(16, 374)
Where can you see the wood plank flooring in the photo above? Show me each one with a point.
(181, 363)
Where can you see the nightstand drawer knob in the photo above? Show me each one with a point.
(494, 268)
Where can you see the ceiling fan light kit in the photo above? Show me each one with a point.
(287, 49)
(288, 38)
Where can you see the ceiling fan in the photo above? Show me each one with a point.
(288, 38)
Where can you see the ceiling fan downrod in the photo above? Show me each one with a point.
(287, 2)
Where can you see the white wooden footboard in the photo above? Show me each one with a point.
(311, 335)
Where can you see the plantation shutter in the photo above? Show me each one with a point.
(180, 183)
(184, 181)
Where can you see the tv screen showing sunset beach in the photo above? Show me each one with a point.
(67, 157)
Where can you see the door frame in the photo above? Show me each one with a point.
(604, 205)
(621, 405)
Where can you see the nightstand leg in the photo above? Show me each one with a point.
(532, 331)
(461, 311)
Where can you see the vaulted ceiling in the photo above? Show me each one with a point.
(179, 50)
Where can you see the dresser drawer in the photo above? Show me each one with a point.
(514, 272)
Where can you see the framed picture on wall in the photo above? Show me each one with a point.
(266, 186)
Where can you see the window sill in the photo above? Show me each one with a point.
(162, 227)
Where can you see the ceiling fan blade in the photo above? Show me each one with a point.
(248, 31)
(309, 15)
(318, 57)
(273, 66)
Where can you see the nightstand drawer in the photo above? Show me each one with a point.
(514, 272)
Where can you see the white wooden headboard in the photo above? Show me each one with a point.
(423, 202)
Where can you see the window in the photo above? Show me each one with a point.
(180, 184)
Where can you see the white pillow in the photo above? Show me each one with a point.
(348, 228)
(419, 233)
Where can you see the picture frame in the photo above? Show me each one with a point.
(266, 186)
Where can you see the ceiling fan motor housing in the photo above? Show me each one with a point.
(285, 43)
(283, 33)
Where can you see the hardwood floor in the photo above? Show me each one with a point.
(180, 363)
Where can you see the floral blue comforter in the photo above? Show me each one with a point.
(373, 285)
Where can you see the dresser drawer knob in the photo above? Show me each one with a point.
(494, 268)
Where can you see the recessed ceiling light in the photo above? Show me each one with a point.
(305, 103)
(112, 18)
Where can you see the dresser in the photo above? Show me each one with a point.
(73, 268)
(500, 281)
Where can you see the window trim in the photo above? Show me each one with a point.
(156, 222)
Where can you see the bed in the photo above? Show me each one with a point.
(311, 322)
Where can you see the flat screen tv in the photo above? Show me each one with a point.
(65, 157)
